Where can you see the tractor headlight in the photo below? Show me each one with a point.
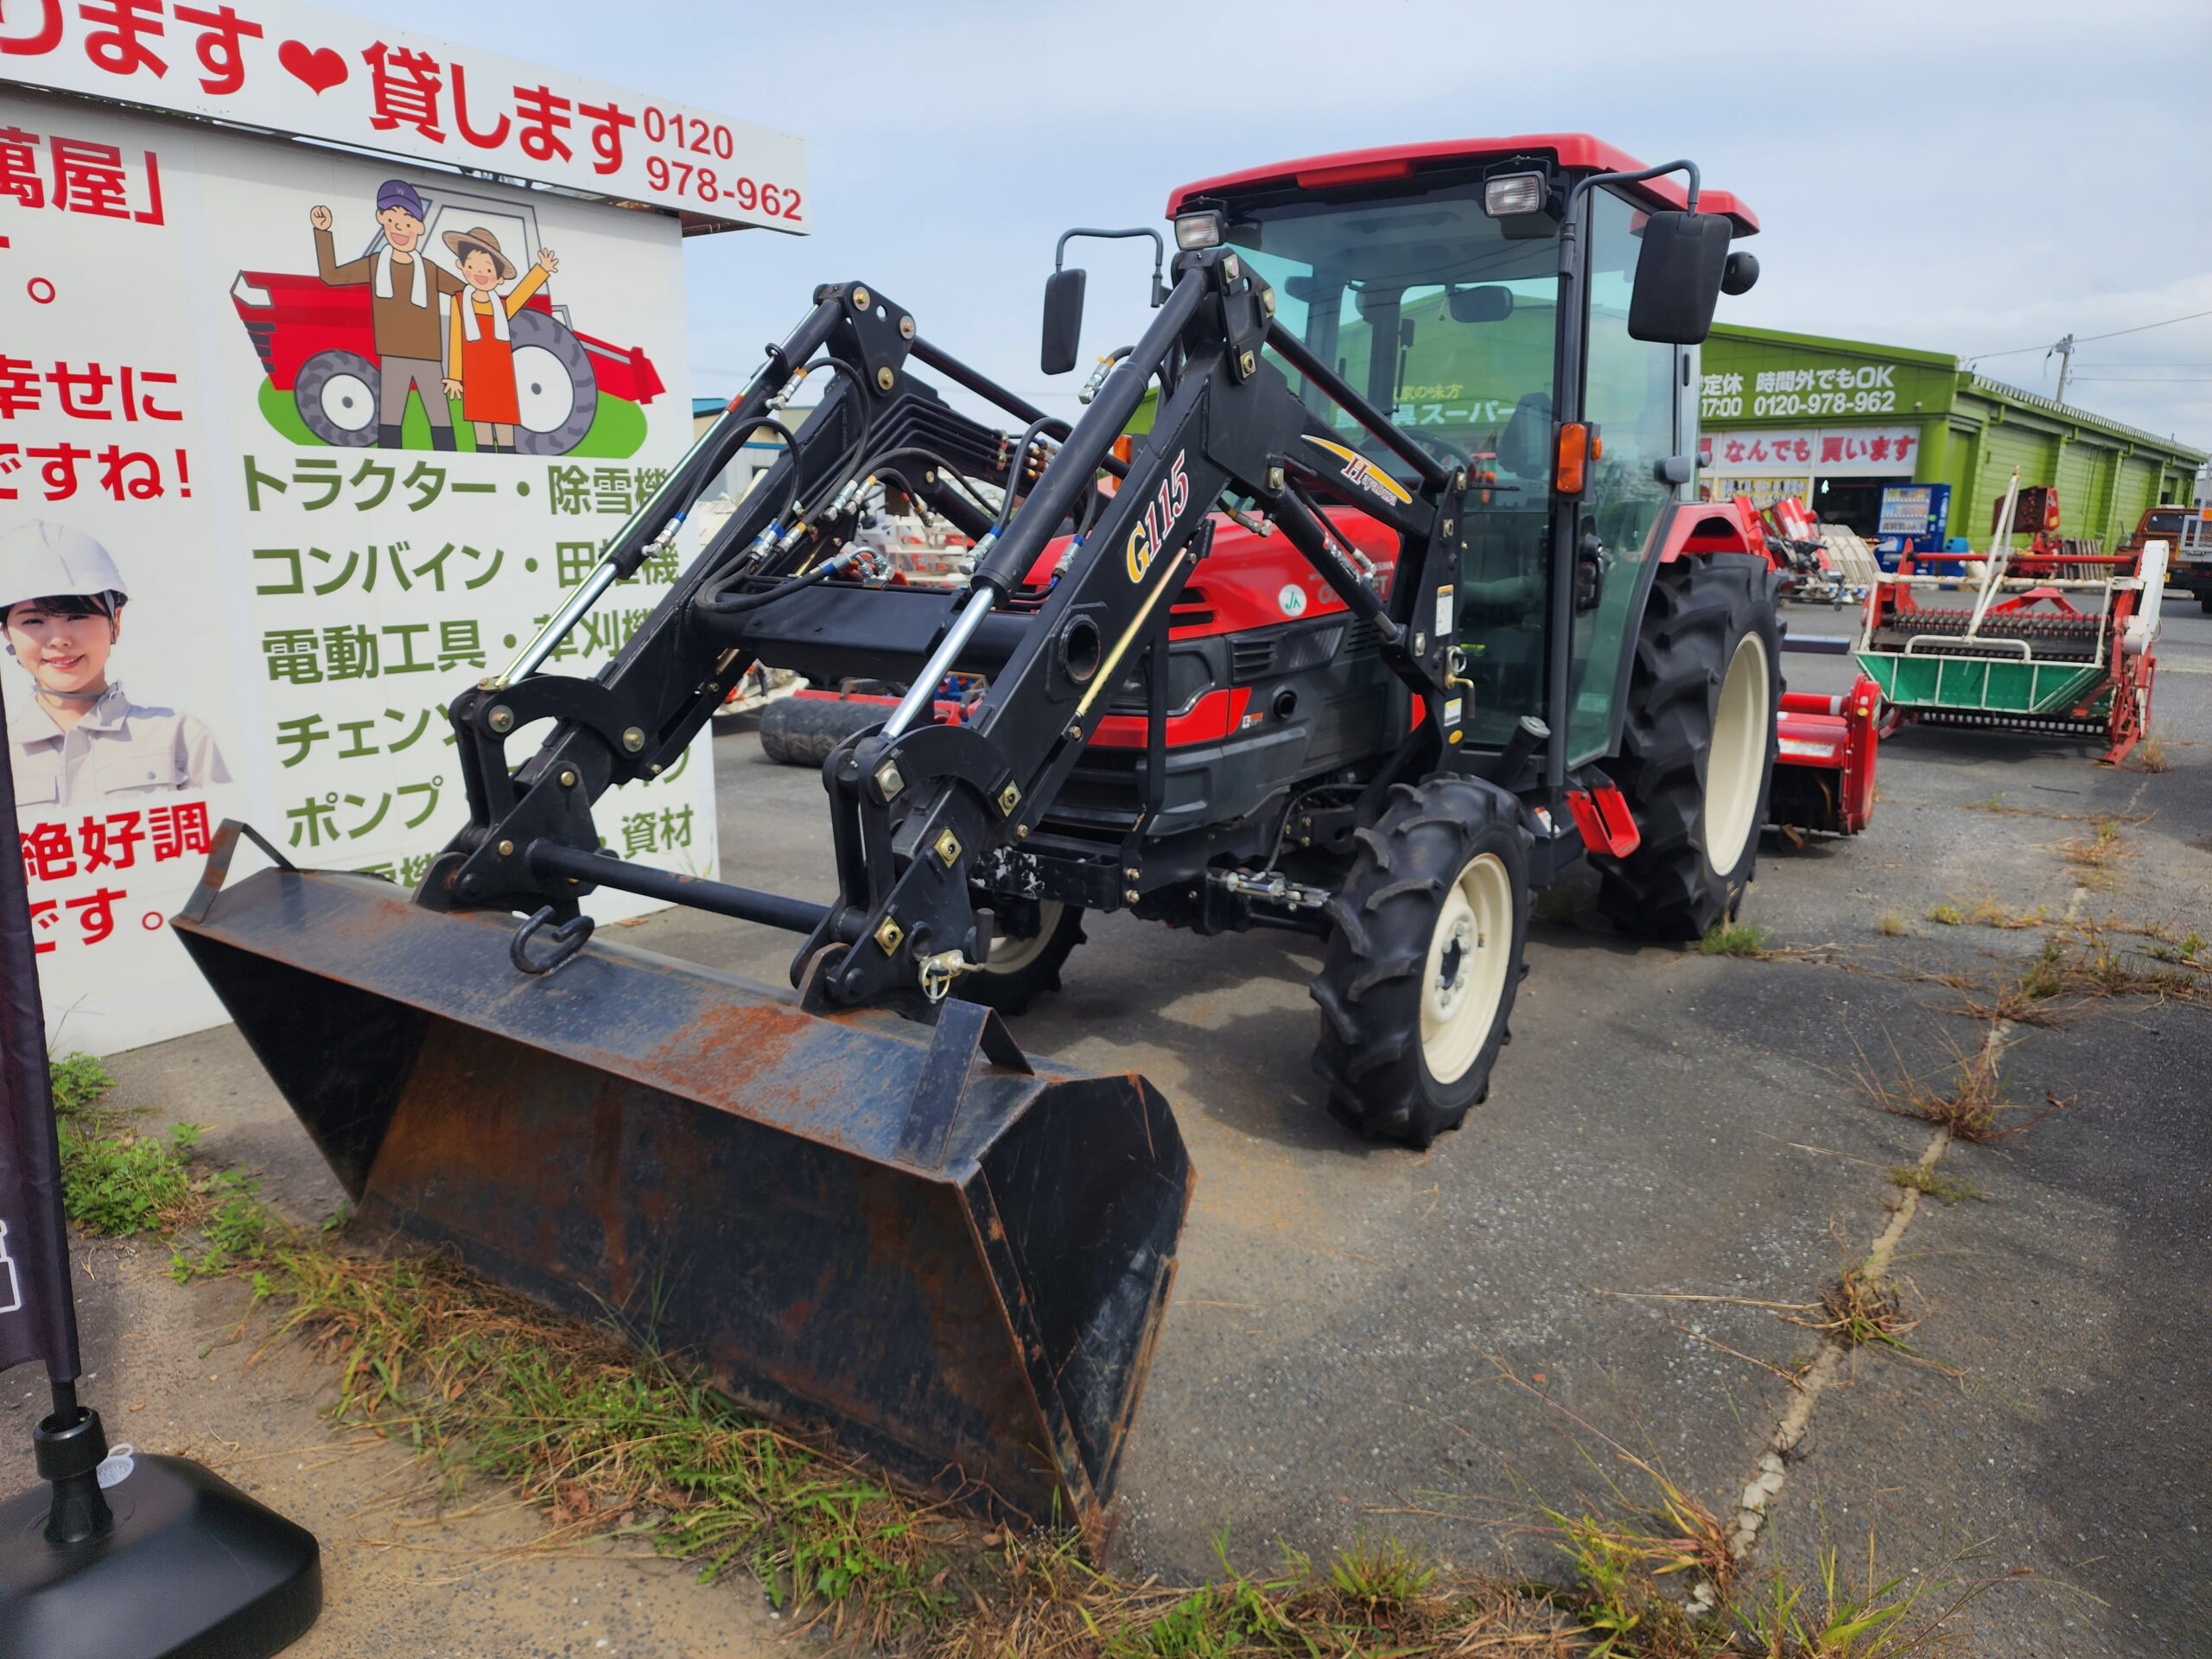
(1511, 194)
(248, 293)
(1196, 230)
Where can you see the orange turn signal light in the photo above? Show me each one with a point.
(1574, 452)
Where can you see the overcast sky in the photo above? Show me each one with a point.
(1962, 177)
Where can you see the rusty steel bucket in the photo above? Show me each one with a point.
(955, 1259)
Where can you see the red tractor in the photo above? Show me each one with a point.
(1402, 606)
(317, 343)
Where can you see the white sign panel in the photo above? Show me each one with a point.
(1823, 452)
(295, 68)
(332, 502)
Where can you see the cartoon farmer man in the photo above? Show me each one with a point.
(480, 356)
(82, 740)
(407, 293)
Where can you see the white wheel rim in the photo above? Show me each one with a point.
(1011, 956)
(346, 402)
(1733, 765)
(1464, 979)
(544, 391)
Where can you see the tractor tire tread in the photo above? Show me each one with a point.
(1700, 609)
(1370, 1054)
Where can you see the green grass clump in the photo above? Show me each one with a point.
(1736, 939)
(1918, 1177)
(114, 1179)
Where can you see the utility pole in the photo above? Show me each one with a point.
(2065, 349)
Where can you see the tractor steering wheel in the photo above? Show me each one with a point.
(1446, 451)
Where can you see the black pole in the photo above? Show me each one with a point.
(69, 1441)
(182, 1561)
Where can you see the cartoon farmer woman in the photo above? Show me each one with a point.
(82, 740)
(480, 356)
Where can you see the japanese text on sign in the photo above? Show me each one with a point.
(298, 69)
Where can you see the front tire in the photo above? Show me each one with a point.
(1697, 752)
(1425, 955)
(338, 394)
(1025, 964)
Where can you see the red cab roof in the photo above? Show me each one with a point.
(1573, 149)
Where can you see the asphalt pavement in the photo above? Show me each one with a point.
(1365, 1340)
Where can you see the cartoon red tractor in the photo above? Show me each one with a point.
(317, 342)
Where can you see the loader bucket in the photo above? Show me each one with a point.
(957, 1262)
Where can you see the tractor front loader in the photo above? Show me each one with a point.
(1401, 606)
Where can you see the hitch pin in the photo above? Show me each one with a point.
(939, 971)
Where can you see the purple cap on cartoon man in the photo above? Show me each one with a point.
(397, 193)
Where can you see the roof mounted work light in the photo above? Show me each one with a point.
(1196, 230)
(1512, 195)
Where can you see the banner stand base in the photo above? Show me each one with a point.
(168, 1561)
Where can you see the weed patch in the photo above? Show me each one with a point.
(1919, 1178)
(1972, 1104)
(2096, 856)
(1736, 939)
(1860, 1310)
(1946, 915)
(1893, 924)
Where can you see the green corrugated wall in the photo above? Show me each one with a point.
(2137, 479)
(2077, 506)
(2003, 448)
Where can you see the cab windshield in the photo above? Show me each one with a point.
(1432, 311)
(1447, 319)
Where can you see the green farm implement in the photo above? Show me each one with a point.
(2040, 639)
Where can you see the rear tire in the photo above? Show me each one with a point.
(802, 731)
(555, 385)
(1424, 957)
(1697, 752)
(1022, 967)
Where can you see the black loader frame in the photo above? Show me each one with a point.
(920, 812)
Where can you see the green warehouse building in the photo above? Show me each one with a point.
(1841, 421)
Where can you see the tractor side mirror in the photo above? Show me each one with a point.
(1488, 303)
(1063, 322)
(1678, 277)
(1741, 272)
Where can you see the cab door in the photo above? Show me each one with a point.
(1631, 397)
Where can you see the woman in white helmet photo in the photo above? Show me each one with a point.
(78, 741)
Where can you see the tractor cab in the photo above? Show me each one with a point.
(1437, 281)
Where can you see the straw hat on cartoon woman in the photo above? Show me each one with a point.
(480, 356)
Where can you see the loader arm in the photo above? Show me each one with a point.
(917, 807)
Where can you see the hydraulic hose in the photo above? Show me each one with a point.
(737, 605)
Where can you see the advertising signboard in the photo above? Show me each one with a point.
(341, 433)
(291, 68)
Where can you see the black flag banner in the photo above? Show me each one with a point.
(37, 1318)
